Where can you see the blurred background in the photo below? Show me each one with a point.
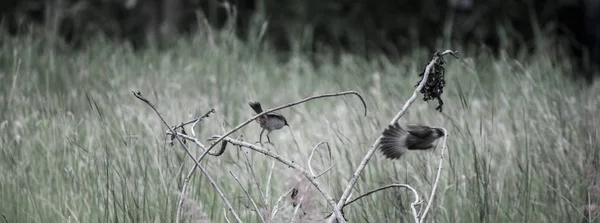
(520, 105)
(359, 26)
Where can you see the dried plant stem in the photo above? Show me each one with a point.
(193, 169)
(138, 95)
(249, 197)
(225, 215)
(437, 178)
(251, 169)
(282, 107)
(412, 205)
(183, 192)
(195, 120)
(346, 194)
(308, 175)
(268, 184)
(312, 153)
(276, 206)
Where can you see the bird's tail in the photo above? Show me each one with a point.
(392, 143)
(256, 107)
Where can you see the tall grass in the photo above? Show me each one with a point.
(75, 143)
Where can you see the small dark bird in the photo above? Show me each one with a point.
(270, 121)
(397, 140)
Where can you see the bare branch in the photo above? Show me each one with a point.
(310, 160)
(282, 107)
(189, 175)
(251, 169)
(412, 205)
(139, 96)
(249, 197)
(291, 164)
(194, 131)
(437, 178)
(268, 185)
(325, 171)
(199, 144)
(195, 120)
(436, 58)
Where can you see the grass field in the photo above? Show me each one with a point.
(76, 145)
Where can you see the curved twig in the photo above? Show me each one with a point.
(412, 205)
(312, 153)
(225, 215)
(282, 107)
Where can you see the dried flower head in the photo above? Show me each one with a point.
(434, 87)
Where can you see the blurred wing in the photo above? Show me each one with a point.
(419, 131)
(392, 142)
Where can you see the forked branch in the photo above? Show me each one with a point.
(412, 205)
(282, 107)
(309, 176)
(139, 96)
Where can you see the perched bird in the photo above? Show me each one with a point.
(270, 121)
(397, 140)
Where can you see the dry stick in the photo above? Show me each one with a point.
(412, 205)
(251, 168)
(225, 215)
(276, 206)
(370, 153)
(291, 164)
(417, 200)
(310, 160)
(282, 107)
(138, 95)
(195, 120)
(191, 172)
(268, 184)
(193, 138)
(248, 195)
(187, 177)
(437, 177)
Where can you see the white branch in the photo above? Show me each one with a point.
(437, 178)
(346, 194)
